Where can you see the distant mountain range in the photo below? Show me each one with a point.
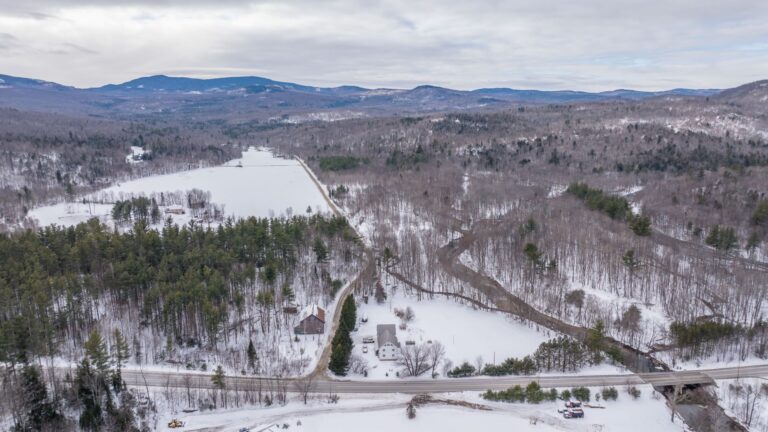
(162, 83)
(258, 96)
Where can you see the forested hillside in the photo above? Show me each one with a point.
(662, 222)
(178, 295)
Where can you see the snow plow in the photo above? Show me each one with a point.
(175, 423)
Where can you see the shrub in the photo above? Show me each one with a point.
(463, 370)
(610, 393)
(581, 393)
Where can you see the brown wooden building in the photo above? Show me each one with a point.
(312, 321)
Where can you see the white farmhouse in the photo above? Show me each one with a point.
(387, 346)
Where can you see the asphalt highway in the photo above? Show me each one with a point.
(172, 379)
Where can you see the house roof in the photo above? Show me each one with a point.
(386, 333)
(313, 310)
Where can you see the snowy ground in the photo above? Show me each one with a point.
(716, 360)
(258, 184)
(745, 398)
(465, 332)
(386, 413)
(135, 155)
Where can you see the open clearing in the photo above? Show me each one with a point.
(258, 184)
(386, 413)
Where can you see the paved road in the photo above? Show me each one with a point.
(322, 385)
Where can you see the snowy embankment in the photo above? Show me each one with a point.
(386, 413)
(745, 399)
(258, 184)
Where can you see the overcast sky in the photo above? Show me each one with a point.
(544, 44)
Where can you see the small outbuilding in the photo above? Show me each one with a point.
(175, 209)
(387, 346)
(312, 321)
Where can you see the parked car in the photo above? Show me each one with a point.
(364, 319)
(365, 349)
(572, 404)
(368, 339)
(574, 413)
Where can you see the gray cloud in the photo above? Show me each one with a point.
(590, 45)
(8, 41)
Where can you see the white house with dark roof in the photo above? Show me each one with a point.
(387, 346)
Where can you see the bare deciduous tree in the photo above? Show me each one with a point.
(304, 386)
(414, 359)
(436, 355)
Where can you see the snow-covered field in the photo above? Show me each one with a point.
(386, 413)
(258, 184)
(465, 332)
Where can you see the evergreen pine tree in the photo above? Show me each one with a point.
(218, 378)
(349, 314)
(120, 353)
(252, 356)
(96, 351)
(321, 251)
(40, 412)
(595, 341)
(87, 385)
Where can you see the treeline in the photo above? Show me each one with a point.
(341, 345)
(562, 354)
(676, 159)
(184, 282)
(615, 207)
(701, 338)
(400, 159)
(340, 163)
(533, 393)
(136, 209)
(94, 399)
(722, 238)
